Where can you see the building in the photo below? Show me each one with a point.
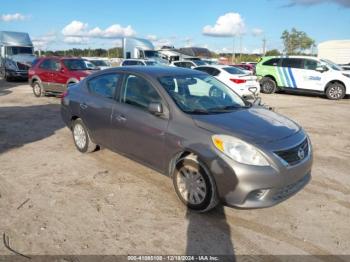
(337, 51)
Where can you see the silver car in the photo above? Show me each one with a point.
(216, 147)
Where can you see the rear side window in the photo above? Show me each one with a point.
(293, 62)
(130, 63)
(50, 64)
(233, 70)
(138, 92)
(35, 62)
(272, 62)
(209, 70)
(104, 85)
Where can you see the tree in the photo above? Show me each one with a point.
(295, 42)
(273, 52)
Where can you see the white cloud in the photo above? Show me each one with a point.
(257, 32)
(80, 29)
(12, 17)
(75, 28)
(230, 24)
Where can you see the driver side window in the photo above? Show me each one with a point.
(138, 92)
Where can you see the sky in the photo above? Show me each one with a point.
(219, 25)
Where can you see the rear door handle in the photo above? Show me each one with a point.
(120, 118)
(83, 106)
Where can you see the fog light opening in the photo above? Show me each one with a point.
(258, 194)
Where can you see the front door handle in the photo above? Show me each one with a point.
(83, 106)
(120, 118)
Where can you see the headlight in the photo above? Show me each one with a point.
(239, 151)
(347, 75)
(10, 65)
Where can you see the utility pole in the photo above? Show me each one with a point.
(240, 48)
(233, 50)
(264, 45)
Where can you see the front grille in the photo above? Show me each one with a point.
(294, 155)
(22, 66)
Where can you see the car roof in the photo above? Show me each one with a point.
(215, 66)
(155, 71)
(291, 56)
(61, 57)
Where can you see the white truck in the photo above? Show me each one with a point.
(16, 55)
(139, 48)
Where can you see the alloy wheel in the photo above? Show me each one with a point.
(79, 136)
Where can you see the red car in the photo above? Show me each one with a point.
(54, 74)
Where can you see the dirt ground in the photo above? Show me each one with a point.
(103, 203)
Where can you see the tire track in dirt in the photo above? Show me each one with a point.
(279, 235)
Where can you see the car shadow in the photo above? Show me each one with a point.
(20, 125)
(5, 86)
(209, 234)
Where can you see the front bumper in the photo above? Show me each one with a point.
(247, 186)
(22, 74)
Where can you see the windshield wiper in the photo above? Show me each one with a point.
(227, 108)
(198, 112)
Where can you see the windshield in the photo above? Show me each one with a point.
(150, 53)
(99, 63)
(199, 62)
(233, 70)
(75, 64)
(201, 94)
(16, 50)
(331, 65)
(151, 63)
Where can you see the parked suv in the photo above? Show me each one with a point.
(303, 73)
(54, 74)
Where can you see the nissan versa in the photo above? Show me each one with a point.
(188, 125)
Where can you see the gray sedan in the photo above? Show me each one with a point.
(215, 146)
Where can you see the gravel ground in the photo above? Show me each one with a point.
(104, 203)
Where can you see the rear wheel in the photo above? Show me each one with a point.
(82, 138)
(268, 85)
(335, 91)
(194, 185)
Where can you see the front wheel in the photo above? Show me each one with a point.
(268, 85)
(82, 138)
(38, 90)
(194, 185)
(335, 91)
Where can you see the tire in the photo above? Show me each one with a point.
(7, 77)
(38, 90)
(82, 138)
(268, 85)
(190, 172)
(335, 91)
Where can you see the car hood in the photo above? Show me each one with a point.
(26, 59)
(254, 125)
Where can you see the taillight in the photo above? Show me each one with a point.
(238, 81)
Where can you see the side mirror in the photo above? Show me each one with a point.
(62, 70)
(321, 69)
(155, 108)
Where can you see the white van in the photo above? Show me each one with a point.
(303, 73)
